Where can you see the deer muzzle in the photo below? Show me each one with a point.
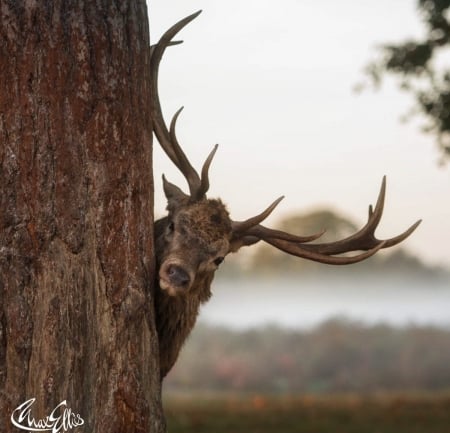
(175, 278)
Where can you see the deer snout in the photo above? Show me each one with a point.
(174, 278)
(178, 276)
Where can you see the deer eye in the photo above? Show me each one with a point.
(171, 227)
(218, 261)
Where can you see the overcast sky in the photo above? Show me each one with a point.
(272, 83)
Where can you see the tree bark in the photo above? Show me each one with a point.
(76, 214)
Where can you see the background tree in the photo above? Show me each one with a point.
(419, 65)
(76, 214)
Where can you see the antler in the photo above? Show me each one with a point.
(198, 185)
(250, 231)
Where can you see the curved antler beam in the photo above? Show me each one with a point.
(249, 232)
(198, 185)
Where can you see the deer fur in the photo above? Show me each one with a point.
(200, 235)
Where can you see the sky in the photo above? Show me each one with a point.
(273, 84)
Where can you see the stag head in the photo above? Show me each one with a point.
(196, 235)
(194, 242)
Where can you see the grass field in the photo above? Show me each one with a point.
(346, 414)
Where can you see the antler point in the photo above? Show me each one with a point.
(417, 224)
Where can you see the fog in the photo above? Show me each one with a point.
(306, 302)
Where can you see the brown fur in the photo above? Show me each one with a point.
(202, 230)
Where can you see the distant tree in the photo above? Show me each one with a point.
(416, 63)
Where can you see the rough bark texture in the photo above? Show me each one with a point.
(76, 214)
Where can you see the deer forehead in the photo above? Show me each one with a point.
(207, 222)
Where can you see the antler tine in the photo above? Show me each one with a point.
(376, 214)
(401, 237)
(165, 41)
(167, 138)
(365, 238)
(183, 163)
(156, 54)
(198, 186)
(240, 227)
(204, 183)
(375, 218)
(170, 44)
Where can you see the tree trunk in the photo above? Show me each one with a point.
(76, 215)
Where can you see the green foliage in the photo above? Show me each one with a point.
(414, 62)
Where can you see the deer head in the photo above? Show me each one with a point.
(198, 232)
(193, 243)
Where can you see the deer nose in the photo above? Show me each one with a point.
(178, 276)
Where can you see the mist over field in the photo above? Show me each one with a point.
(304, 302)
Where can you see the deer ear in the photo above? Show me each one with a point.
(175, 197)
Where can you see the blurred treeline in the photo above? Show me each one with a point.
(338, 356)
(267, 260)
